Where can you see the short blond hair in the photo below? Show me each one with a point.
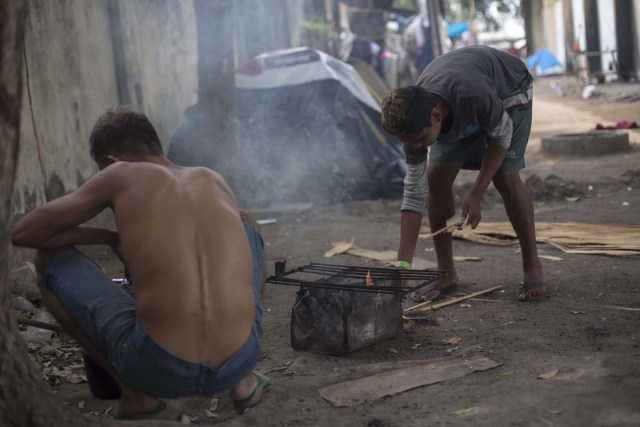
(407, 110)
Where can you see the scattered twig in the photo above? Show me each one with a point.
(621, 308)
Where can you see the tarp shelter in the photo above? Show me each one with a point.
(544, 63)
(455, 30)
(310, 129)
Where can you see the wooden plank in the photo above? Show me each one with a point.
(374, 387)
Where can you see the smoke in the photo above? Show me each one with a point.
(292, 146)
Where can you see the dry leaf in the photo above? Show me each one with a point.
(415, 346)
(462, 411)
(465, 305)
(549, 375)
(505, 374)
(430, 366)
(572, 199)
(81, 404)
(210, 414)
(554, 411)
(75, 378)
(393, 350)
(452, 341)
(213, 405)
(577, 312)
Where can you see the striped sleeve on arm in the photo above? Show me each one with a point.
(415, 188)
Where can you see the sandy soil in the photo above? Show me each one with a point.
(596, 350)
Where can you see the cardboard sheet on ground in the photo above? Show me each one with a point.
(569, 237)
(385, 257)
(368, 389)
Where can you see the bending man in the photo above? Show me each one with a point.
(195, 324)
(472, 106)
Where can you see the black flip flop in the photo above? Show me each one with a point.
(432, 287)
(526, 287)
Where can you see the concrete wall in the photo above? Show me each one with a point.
(71, 66)
(550, 26)
(607, 26)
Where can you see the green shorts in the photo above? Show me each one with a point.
(470, 150)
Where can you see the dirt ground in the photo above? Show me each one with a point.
(595, 349)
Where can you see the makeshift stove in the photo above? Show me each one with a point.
(342, 308)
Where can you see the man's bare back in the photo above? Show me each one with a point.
(194, 326)
(188, 257)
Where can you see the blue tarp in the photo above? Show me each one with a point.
(544, 63)
(456, 29)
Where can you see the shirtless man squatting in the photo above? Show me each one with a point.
(195, 260)
(470, 109)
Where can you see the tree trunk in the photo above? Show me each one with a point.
(23, 398)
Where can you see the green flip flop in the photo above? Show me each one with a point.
(162, 405)
(255, 396)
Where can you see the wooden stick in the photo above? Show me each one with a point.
(38, 324)
(457, 226)
(444, 229)
(416, 306)
(460, 299)
(622, 308)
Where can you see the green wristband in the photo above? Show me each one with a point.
(404, 264)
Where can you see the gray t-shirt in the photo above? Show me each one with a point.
(479, 83)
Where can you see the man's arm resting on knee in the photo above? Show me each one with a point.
(58, 223)
(83, 235)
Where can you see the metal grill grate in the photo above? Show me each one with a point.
(352, 278)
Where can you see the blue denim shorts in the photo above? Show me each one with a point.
(107, 315)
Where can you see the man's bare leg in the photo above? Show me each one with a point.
(243, 389)
(519, 207)
(441, 207)
(132, 400)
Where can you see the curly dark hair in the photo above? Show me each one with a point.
(407, 110)
(122, 130)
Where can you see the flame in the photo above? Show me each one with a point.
(368, 280)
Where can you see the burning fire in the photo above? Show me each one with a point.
(368, 281)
